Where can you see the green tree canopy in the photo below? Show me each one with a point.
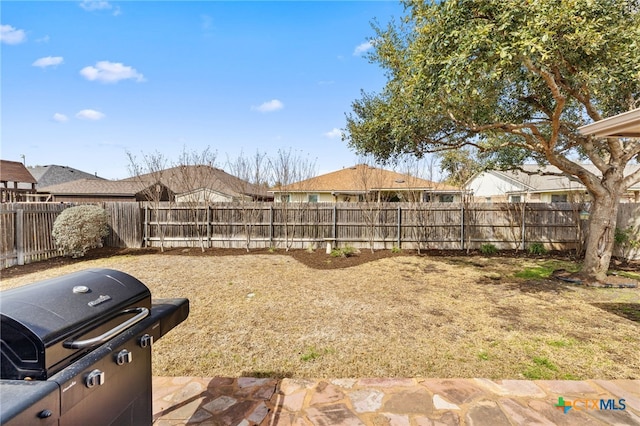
(514, 79)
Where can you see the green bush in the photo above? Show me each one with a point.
(626, 240)
(345, 251)
(487, 249)
(78, 229)
(537, 248)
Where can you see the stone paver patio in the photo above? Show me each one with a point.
(393, 402)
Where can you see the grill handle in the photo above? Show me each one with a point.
(98, 340)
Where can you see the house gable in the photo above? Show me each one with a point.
(491, 183)
(534, 184)
(183, 180)
(15, 181)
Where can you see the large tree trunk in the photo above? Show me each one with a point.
(600, 238)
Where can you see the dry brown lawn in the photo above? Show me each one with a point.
(269, 315)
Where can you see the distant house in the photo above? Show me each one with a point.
(363, 182)
(16, 182)
(97, 190)
(204, 184)
(54, 174)
(532, 185)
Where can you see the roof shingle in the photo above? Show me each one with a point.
(15, 171)
(95, 187)
(363, 177)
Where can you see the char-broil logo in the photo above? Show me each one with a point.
(99, 300)
(590, 404)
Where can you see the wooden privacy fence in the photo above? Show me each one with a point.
(378, 226)
(25, 228)
(26, 232)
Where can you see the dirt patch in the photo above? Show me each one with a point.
(630, 311)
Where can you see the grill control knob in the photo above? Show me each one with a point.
(124, 357)
(44, 414)
(146, 340)
(96, 377)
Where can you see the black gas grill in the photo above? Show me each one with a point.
(77, 349)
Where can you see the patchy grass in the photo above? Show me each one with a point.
(540, 369)
(312, 353)
(400, 316)
(543, 269)
(626, 274)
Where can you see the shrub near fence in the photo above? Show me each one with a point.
(262, 225)
(25, 230)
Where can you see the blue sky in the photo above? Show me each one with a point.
(85, 82)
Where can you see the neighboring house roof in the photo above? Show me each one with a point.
(53, 174)
(15, 171)
(362, 178)
(183, 179)
(626, 125)
(94, 187)
(530, 181)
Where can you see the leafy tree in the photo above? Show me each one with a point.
(460, 165)
(514, 79)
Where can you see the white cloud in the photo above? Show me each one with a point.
(60, 118)
(90, 114)
(49, 61)
(334, 133)
(270, 106)
(92, 5)
(44, 39)
(111, 72)
(362, 48)
(10, 35)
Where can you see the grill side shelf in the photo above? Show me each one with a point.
(29, 402)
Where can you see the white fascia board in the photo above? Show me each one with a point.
(625, 125)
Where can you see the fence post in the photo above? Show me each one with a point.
(462, 226)
(524, 208)
(335, 223)
(208, 226)
(399, 239)
(20, 235)
(270, 225)
(146, 226)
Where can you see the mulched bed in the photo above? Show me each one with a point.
(314, 259)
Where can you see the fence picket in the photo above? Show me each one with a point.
(25, 234)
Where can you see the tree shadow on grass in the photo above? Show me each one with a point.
(630, 311)
(540, 286)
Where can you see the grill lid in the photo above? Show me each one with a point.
(40, 322)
